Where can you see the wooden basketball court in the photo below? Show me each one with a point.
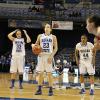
(29, 90)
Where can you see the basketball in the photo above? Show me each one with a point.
(36, 49)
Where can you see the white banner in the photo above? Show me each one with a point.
(63, 25)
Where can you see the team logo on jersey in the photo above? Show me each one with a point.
(85, 50)
(47, 40)
(18, 46)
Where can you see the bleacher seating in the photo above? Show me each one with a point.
(18, 1)
(22, 11)
(77, 1)
(19, 12)
(72, 1)
(67, 14)
(2, 1)
(96, 1)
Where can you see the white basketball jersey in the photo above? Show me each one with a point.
(85, 51)
(46, 42)
(18, 46)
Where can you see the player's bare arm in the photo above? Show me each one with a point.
(10, 35)
(38, 39)
(76, 56)
(98, 31)
(55, 45)
(27, 36)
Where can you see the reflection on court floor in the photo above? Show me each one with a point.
(60, 93)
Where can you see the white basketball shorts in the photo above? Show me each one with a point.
(17, 64)
(43, 64)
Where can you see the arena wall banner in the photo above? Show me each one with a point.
(62, 25)
(26, 23)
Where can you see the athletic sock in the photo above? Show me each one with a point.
(82, 85)
(20, 79)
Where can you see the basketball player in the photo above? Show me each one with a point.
(93, 27)
(18, 55)
(48, 43)
(85, 59)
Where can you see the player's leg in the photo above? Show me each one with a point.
(35, 77)
(13, 77)
(82, 84)
(40, 70)
(50, 80)
(90, 70)
(13, 70)
(40, 81)
(82, 70)
(20, 80)
(92, 84)
(21, 64)
(49, 69)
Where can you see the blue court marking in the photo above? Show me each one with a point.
(6, 98)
